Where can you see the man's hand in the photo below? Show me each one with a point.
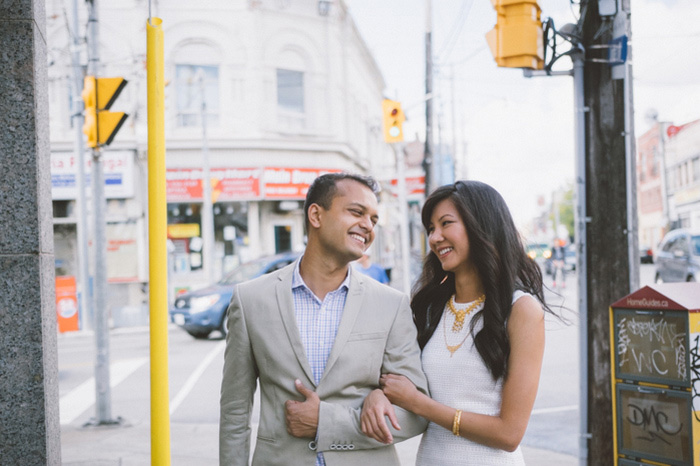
(374, 408)
(302, 416)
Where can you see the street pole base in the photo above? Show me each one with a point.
(118, 422)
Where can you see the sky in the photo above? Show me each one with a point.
(512, 132)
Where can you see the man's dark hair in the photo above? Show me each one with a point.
(324, 189)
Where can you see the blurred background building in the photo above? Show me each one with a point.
(271, 93)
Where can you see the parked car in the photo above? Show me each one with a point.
(646, 255)
(569, 260)
(678, 257)
(202, 311)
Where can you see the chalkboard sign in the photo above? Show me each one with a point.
(651, 346)
(654, 424)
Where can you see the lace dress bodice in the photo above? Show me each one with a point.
(461, 380)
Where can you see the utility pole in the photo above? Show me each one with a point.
(85, 306)
(102, 383)
(610, 239)
(207, 214)
(428, 152)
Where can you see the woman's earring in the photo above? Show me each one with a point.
(444, 280)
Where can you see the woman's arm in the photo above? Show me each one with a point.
(526, 333)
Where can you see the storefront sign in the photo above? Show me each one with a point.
(290, 183)
(183, 230)
(118, 174)
(228, 184)
(236, 184)
(66, 304)
(414, 184)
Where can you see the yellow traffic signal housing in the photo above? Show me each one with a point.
(99, 94)
(516, 40)
(393, 121)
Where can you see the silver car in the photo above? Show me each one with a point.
(678, 257)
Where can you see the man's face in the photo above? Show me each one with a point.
(346, 229)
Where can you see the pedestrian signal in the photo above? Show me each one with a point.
(101, 125)
(393, 121)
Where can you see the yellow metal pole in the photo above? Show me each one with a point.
(157, 255)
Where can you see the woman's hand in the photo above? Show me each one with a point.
(399, 390)
(374, 409)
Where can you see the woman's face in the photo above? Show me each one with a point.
(447, 237)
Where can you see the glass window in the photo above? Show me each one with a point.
(194, 83)
(290, 90)
(695, 245)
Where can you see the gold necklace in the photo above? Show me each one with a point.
(461, 314)
(464, 312)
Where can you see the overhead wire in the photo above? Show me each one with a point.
(456, 29)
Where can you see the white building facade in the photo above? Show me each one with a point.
(290, 91)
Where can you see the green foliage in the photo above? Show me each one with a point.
(565, 204)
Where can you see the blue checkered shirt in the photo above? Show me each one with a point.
(318, 323)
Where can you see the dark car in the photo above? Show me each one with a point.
(646, 255)
(203, 311)
(678, 257)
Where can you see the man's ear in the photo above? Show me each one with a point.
(315, 215)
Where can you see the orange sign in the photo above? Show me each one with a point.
(67, 304)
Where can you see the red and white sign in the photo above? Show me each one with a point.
(185, 184)
(290, 183)
(414, 184)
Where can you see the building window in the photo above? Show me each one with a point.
(194, 84)
(290, 90)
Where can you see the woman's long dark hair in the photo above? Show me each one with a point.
(498, 254)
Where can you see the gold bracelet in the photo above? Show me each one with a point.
(455, 423)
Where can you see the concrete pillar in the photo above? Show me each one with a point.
(29, 422)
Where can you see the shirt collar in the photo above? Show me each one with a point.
(297, 281)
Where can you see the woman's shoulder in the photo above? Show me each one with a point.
(526, 305)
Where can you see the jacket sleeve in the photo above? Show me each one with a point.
(237, 389)
(341, 424)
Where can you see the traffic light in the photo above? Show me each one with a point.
(393, 121)
(99, 94)
(516, 40)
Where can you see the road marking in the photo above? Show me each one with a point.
(82, 397)
(194, 377)
(557, 409)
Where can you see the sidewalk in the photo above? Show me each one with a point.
(197, 445)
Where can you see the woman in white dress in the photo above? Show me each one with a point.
(478, 307)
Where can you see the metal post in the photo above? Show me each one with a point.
(85, 305)
(102, 382)
(207, 214)
(403, 214)
(157, 248)
(581, 259)
(630, 166)
(428, 152)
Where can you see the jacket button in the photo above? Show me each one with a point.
(351, 447)
(312, 445)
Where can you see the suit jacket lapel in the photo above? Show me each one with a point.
(353, 304)
(285, 304)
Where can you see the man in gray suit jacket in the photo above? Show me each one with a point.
(317, 337)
